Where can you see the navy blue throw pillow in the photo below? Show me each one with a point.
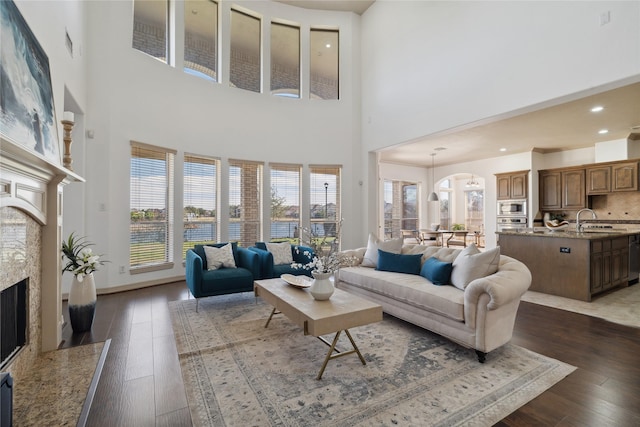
(399, 263)
(436, 271)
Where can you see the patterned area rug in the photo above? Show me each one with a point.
(237, 373)
(621, 306)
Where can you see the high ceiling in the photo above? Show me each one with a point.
(565, 126)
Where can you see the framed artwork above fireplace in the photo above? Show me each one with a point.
(27, 112)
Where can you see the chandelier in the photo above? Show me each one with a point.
(472, 182)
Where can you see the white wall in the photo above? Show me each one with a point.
(446, 64)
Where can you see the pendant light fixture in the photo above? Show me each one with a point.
(433, 197)
(472, 182)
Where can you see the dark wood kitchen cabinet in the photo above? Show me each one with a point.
(624, 176)
(550, 190)
(574, 195)
(599, 180)
(609, 263)
(562, 189)
(616, 177)
(512, 185)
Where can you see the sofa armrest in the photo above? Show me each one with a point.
(250, 260)
(508, 284)
(193, 272)
(265, 262)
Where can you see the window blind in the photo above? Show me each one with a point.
(151, 206)
(200, 201)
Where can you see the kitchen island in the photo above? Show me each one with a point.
(571, 264)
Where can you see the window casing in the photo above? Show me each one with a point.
(324, 64)
(151, 207)
(245, 202)
(285, 203)
(401, 208)
(200, 205)
(285, 60)
(151, 27)
(445, 196)
(474, 210)
(201, 38)
(245, 68)
(325, 190)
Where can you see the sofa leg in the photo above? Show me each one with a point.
(197, 301)
(482, 356)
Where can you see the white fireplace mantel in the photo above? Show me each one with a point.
(34, 185)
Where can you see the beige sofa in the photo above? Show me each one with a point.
(481, 316)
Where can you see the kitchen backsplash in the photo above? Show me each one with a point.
(620, 207)
(614, 208)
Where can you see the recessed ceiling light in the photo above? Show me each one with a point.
(603, 131)
(328, 45)
(503, 149)
(597, 109)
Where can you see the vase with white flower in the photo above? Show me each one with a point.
(325, 261)
(82, 262)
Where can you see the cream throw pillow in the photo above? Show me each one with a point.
(281, 252)
(371, 255)
(471, 264)
(219, 257)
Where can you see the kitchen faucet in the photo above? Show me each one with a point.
(578, 226)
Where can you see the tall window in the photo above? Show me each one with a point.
(445, 204)
(200, 214)
(324, 64)
(325, 200)
(245, 52)
(285, 203)
(474, 210)
(151, 211)
(400, 207)
(389, 230)
(150, 27)
(201, 38)
(245, 201)
(285, 60)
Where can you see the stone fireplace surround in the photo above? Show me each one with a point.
(30, 241)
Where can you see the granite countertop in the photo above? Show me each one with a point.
(570, 233)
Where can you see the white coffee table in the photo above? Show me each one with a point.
(341, 312)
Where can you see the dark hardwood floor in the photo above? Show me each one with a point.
(141, 384)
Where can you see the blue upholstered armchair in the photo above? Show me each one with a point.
(204, 283)
(269, 270)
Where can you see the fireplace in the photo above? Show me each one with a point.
(30, 240)
(13, 321)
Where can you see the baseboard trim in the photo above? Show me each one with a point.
(134, 286)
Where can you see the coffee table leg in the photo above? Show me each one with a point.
(332, 348)
(272, 313)
(355, 347)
